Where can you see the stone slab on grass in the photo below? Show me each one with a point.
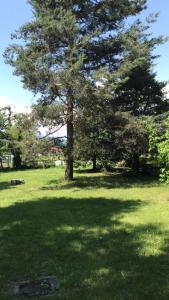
(42, 287)
(17, 181)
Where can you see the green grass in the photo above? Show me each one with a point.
(103, 236)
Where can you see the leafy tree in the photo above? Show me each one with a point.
(23, 140)
(69, 46)
(131, 141)
(2, 129)
(142, 94)
(2, 136)
(153, 137)
(89, 126)
(117, 136)
(163, 150)
(5, 123)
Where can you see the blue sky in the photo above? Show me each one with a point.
(13, 13)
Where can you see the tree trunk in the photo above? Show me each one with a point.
(94, 163)
(69, 158)
(135, 163)
(17, 162)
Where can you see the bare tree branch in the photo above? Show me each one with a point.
(50, 133)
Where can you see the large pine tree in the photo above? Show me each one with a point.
(71, 44)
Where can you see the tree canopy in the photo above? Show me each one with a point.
(71, 46)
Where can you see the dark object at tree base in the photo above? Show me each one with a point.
(41, 287)
(17, 181)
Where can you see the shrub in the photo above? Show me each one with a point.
(163, 150)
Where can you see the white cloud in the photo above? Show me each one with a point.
(62, 132)
(19, 108)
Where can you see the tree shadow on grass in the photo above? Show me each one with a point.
(85, 243)
(108, 181)
(4, 185)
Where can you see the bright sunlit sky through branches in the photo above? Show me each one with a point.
(14, 13)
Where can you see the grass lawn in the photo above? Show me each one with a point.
(105, 237)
